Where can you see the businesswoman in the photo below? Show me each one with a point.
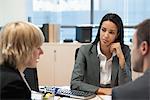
(19, 48)
(105, 63)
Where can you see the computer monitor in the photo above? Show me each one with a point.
(84, 34)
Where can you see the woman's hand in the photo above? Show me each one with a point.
(104, 91)
(116, 47)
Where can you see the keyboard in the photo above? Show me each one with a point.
(70, 93)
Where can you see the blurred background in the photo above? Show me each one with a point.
(71, 13)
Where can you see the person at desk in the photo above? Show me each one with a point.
(19, 48)
(105, 63)
(138, 89)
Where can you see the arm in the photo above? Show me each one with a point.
(79, 74)
(125, 73)
(124, 58)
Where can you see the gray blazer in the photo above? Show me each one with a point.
(136, 90)
(86, 72)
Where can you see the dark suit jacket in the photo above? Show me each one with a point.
(86, 72)
(136, 90)
(12, 85)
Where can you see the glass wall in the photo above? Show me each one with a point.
(71, 13)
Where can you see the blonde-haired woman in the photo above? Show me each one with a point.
(20, 47)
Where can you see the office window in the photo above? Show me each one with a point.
(64, 12)
(75, 12)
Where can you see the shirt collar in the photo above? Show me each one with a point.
(98, 49)
(100, 53)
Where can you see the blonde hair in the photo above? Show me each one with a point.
(17, 42)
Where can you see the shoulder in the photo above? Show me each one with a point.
(132, 89)
(8, 71)
(88, 49)
(125, 47)
(126, 50)
(85, 46)
(9, 75)
(143, 79)
(12, 82)
(123, 91)
(15, 89)
(13, 86)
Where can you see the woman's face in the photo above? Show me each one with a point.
(108, 33)
(32, 62)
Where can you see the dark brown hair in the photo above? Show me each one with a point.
(117, 21)
(143, 32)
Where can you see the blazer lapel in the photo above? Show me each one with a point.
(95, 62)
(93, 55)
(115, 69)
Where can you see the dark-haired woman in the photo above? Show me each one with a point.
(105, 63)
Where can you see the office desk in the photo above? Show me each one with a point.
(98, 97)
(38, 96)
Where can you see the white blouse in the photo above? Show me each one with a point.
(105, 67)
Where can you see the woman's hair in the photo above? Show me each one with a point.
(17, 42)
(117, 21)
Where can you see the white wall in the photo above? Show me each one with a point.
(11, 10)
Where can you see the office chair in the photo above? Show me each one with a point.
(76, 53)
(32, 78)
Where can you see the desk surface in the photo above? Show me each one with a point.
(98, 97)
(36, 95)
